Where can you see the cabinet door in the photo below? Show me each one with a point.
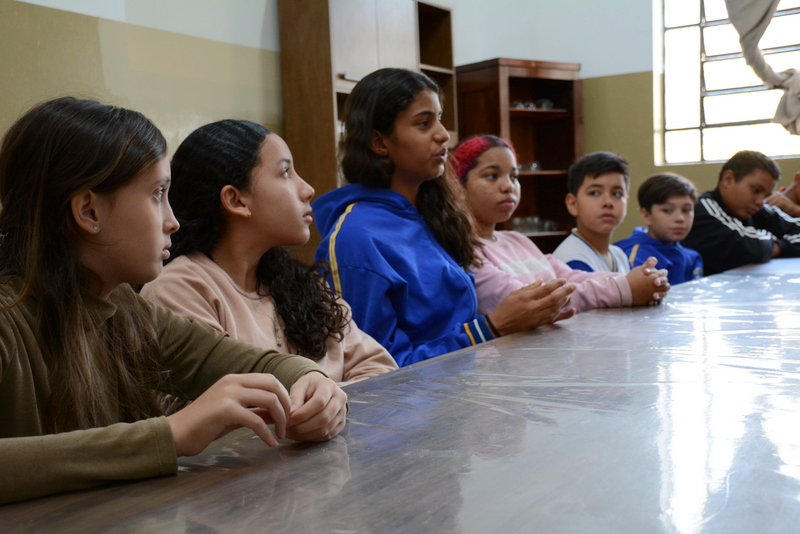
(397, 34)
(354, 32)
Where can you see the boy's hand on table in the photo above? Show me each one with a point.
(649, 285)
(533, 305)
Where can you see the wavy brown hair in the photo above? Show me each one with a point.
(373, 105)
(100, 374)
(226, 153)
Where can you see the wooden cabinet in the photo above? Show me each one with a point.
(538, 106)
(327, 46)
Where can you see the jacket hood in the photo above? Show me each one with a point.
(330, 206)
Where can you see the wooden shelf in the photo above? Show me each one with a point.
(551, 137)
(559, 233)
(327, 46)
(543, 173)
(540, 114)
(432, 68)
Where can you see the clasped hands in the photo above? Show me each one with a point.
(313, 410)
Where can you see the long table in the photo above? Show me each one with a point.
(677, 418)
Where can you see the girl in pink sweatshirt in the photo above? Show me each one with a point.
(486, 166)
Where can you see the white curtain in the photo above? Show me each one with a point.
(751, 18)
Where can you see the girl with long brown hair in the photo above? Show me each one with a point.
(83, 188)
(398, 239)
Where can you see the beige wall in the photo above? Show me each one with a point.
(179, 82)
(618, 117)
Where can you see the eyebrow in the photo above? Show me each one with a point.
(163, 180)
(285, 160)
(491, 166)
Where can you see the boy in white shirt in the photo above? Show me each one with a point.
(598, 199)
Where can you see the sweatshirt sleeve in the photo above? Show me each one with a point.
(363, 356)
(35, 465)
(373, 308)
(197, 356)
(786, 230)
(594, 290)
(724, 241)
(493, 284)
(42, 465)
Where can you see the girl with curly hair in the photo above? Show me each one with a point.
(240, 202)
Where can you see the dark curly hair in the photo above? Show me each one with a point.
(225, 153)
(373, 105)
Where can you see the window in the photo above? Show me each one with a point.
(713, 103)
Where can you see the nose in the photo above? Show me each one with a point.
(171, 224)
(442, 135)
(506, 185)
(306, 191)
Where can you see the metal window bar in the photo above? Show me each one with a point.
(707, 59)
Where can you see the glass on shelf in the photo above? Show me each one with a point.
(533, 225)
(530, 167)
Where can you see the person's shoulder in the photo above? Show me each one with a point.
(182, 271)
(688, 252)
(708, 203)
(618, 252)
(639, 236)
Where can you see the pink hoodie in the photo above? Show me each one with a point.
(512, 261)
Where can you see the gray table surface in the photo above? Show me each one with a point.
(676, 418)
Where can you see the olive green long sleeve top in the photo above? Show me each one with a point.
(34, 464)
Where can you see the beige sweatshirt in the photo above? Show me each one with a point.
(195, 287)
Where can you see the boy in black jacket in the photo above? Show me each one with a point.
(733, 226)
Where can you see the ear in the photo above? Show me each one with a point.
(646, 217)
(572, 204)
(378, 144)
(234, 202)
(84, 211)
(727, 179)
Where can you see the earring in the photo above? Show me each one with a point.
(96, 228)
(249, 214)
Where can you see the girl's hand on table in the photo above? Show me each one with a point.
(318, 409)
(234, 401)
(533, 305)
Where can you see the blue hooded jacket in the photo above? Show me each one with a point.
(682, 264)
(404, 289)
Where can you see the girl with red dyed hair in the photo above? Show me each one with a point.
(486, 167)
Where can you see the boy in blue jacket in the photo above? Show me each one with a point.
(667, 207)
